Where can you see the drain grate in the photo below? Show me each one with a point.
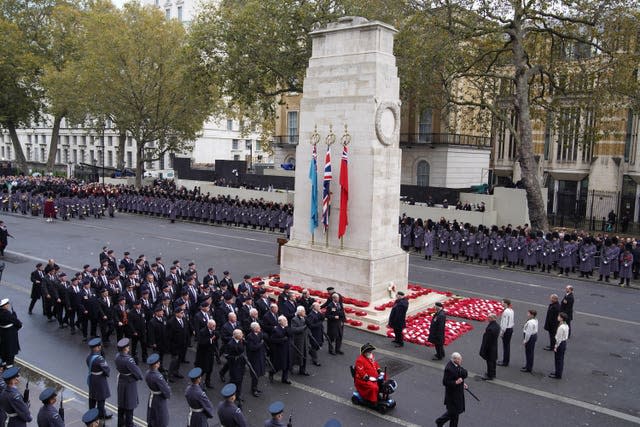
(394, 366)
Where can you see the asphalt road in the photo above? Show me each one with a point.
(600, 384)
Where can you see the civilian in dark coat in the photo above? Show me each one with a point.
(397, 318)
(280, 350)
(235, 357)
(37, 279)
(207, 349)
(453, 381)
(315, 323)
(157, 334)
(256, 354)
(336, 317)
(137, 330)
(489, 347)
(9, 327)
(551, 321)
(177, 333)
(566, 306)
(436, 331)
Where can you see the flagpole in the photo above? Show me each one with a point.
(345, 141)
(329, 140)
(315, 139)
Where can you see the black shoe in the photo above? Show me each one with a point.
(178, 375)
(316, 363)
(398, 344)
(502, 364)
(108, 416)
(339, 352)
(548, 348)
(286, 382)
(554, 376)
(486, 378)
(255, 393)
(524, 370)
(333, 353)
(304, 373)
(30, 312)
(436, 358)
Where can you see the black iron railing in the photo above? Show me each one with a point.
(444, 139)
(282, 140)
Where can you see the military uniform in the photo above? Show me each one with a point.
(228, 413)
(97, 379)
(200, 407)
(157, 409)
(128, 374)
(11, 403)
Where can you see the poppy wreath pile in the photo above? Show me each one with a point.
(472, 308)
(413, 292)
(417, 329)
(273, 281)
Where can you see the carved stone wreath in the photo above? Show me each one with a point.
(385, 130)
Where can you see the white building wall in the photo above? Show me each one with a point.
(466, 167)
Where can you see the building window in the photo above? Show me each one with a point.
(2, 151)
(568, 135)
(92, 157)
(425, 126)
(161, 162)
(234, 144)
(65, 154)
(58, 155)
(74, 156)
(75, 140)
(167, 13)
(247, 144)
(81, 155)
(129, 159)
(9, 152)
(180, 13)
(548, 129)
(110, 158)
(110, 141)
(292, 127)
(83, 141)
(29, 153)
(130, 141)
(422, 173)
(28, 139)
(506, 139)
(258, 145)
(229, 124)
(42, 154)
(236, 157)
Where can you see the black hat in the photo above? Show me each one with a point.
(246, 276)
(225, 272)
(366, 348)
(439, 304)
(86, 266)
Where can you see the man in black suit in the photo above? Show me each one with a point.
(210, 279)
(105, 314)
(37, 279)
(489, 347)
(336, 317)
(551, 321)
(453, 381)
(397, 318)
(566, 305)
(177, 333)
(73, 304)
(138, 330)
(207, 349)
(436, 331)
(228, 281)
(157, 337)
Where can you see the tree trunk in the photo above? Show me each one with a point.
(139, 163)
(122, 139)
(537, 212)
(53, 145)
(21, 161)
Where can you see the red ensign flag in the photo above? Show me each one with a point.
(344, 192)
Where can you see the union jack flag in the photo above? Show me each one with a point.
(326, 194)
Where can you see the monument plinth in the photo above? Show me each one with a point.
(351, 80)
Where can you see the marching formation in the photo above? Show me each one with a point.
(560, 252)
(157, 312)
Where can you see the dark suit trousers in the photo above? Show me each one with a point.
(398, 333)
(559, 358)
(439, 350)
(491, 368)
(529, 348)
(506, 346)
(448, 416)
(552, 339)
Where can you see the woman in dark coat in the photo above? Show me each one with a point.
(256, 354)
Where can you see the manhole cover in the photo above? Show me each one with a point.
(626, 340)
(394, 366)
(593, 323)
(601, 373)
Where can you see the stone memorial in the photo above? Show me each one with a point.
(351, 87)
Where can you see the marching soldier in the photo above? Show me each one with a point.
(48, 415)
(276, 409)
(128, 374)
(200, 407)
(11, 401)
(228, 413)
(159, 393)
(98, 372)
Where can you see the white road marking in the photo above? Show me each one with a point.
(514, 386)
(497, 279)
(347, 402)
(72, 387)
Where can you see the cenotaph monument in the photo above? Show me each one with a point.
(351, 95)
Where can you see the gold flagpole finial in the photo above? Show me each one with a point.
(315, 136)
(331, 137)
(346, 137)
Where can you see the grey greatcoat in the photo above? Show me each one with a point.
(159, 393)
(48, 417)
(16, 410)
(299, 334)
(97, 380)
(200, 407)
(128, 375)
